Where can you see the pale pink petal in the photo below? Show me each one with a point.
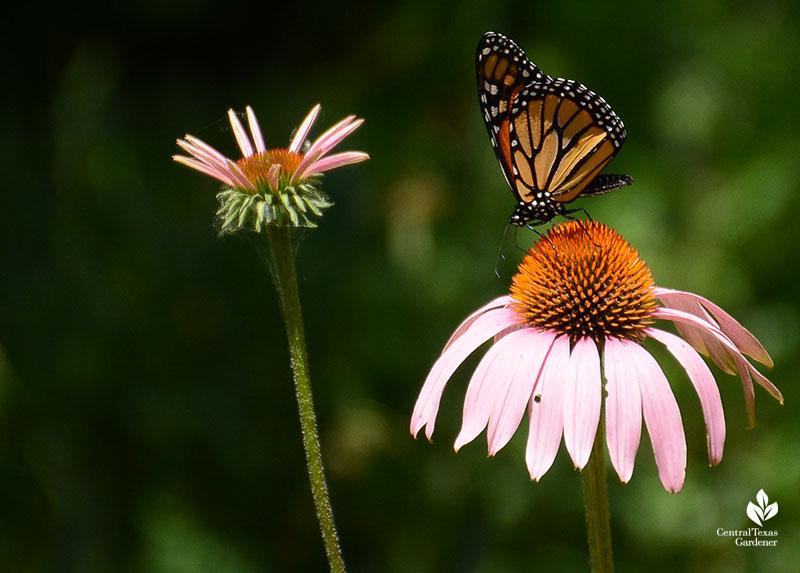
(491, 381)
(662, 417)
(336, 160)
(481, 330)
(241, 134)
(546, 411)
(255, 130)
(742, 338)
(492, 373)
(704, 384)
(623, 406)
(527, 349)
(464, 326)
(204, 168)
(582, 400)
(302, 131)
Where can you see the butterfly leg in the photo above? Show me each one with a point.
(568, 215)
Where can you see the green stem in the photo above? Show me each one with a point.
(283, 272)
(595, 495)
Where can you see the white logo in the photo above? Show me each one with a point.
(763, 511)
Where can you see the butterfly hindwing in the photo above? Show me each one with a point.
(561, 136)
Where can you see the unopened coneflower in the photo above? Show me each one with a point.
(272, 192)
(272, 186)
(568, 342)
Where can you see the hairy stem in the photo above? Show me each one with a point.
(283, 272)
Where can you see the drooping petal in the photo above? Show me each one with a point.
(742, 338)
(482, 329)
(546, 411)
(464, 326)
(704, 384)
(662, 418)
(745, 369)
(336, 160)
(240, 134)
(623, 406)
(528, 349)
(582, 400)
(494, 383)
(302, 131)
(255, 130)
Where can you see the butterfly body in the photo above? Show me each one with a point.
(552, 137)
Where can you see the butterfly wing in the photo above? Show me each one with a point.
(503, 71)
(561, 135)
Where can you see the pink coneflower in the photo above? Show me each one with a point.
(580, 307)
(272, 186)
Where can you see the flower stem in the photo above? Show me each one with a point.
(595, 496)
(283, 272)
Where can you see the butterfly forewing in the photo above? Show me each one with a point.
(503, 71)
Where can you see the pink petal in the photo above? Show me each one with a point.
(742, 338)
(500, 382)
(582, 400)
(705, 386)
(481, 330)
(255, 130)
(241, 134)
(546, 411)
(336, 160)
(623, 406)
(206, 154)
(331, 138)
(528, 349)
(273, 175)
(302, 131)
(204, 168)
(239, 176)
(662, 417)
(325, 143)
(202, 151)
(464, 326)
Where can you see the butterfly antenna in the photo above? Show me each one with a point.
(500, 255)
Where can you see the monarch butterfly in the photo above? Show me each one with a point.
(551, 136)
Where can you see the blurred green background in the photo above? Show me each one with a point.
(147, 416)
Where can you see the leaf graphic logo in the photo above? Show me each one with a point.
(764, 510)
